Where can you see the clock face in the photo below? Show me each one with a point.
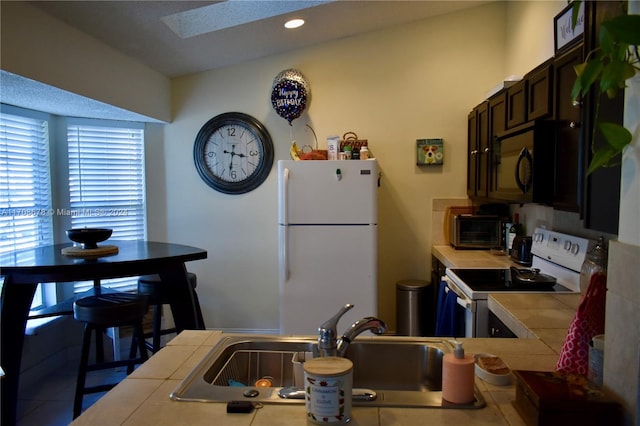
(233, 153)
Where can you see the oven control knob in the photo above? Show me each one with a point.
(575, 248)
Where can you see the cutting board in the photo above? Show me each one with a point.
(92, 253)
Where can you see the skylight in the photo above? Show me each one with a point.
(231, 13)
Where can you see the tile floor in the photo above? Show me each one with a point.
(50, 403)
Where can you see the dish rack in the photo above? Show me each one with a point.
(245, 368)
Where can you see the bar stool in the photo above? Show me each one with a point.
(98, 313)
(159, 294)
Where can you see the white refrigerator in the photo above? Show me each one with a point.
(327, 216)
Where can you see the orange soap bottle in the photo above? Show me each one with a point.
(458, 375)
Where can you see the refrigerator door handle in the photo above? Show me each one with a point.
(284, 228)
(284, 252)
(284, 197)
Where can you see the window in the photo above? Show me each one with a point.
(26, 218)
(106, 183)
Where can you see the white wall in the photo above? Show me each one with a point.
(391, 87)
(41, 48)
(529, 33)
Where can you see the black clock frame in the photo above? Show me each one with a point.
(262, 170)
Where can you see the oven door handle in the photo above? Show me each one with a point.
(465, 303)
(461, 299)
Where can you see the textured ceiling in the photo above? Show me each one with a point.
(178, 38)
(138, 28)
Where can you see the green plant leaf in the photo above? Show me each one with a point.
(624, 29)
(607, 43)
(575, 13)
(612, 65)
(577, 85)
(590, 73)
(602, 158)
(579, 69)
(617, 137)
(614, 75)
(620, 52)
(576, 90)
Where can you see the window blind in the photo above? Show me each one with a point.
(26, 215)
(107, 184)
(25, 187)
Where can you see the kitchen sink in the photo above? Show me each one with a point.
(387, 371)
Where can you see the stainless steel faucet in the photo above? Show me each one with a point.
(330, 345)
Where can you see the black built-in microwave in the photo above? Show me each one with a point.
(522, 166)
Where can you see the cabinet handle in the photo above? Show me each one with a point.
(474, 152)
(576, 103)
(524, 167)
(486, 150)
(574, 125)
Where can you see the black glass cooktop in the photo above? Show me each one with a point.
(499, 280)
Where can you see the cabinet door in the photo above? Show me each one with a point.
(497, 124)
(482, 189)
(568, 149)
(472, 153)
(539, 95)
(517, 104)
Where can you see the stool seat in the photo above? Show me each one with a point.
(111, 309)
(152, 286)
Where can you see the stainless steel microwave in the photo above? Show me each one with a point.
(475, 231)
(522, 165)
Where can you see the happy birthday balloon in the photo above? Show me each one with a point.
(290, 94)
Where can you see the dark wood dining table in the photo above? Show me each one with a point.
(22, 270)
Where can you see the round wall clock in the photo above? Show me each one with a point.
(233, 153)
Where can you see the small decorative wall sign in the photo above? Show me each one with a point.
(564, 35)
(430, 152)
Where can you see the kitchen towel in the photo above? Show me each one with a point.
(450, 315)
(587, 322)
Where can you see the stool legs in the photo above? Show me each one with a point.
(157, 326)
(137, 344)
(163, 293)
(82, 371)
(157, 332)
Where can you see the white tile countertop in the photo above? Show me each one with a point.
(143, 397)
(542, 316)
(452, 258)
(541, 320)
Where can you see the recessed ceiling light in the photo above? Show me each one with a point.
(294, 23)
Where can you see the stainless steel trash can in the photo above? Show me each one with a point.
(412, 308)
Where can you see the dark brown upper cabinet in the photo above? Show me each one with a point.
(539, 99)
(569, 149)
(517, 104)
(477, 150)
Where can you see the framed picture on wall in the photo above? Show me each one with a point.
(564, 35)
(430, 152)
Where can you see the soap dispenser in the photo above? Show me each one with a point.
(458, 375)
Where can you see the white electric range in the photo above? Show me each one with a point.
(555, 254)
